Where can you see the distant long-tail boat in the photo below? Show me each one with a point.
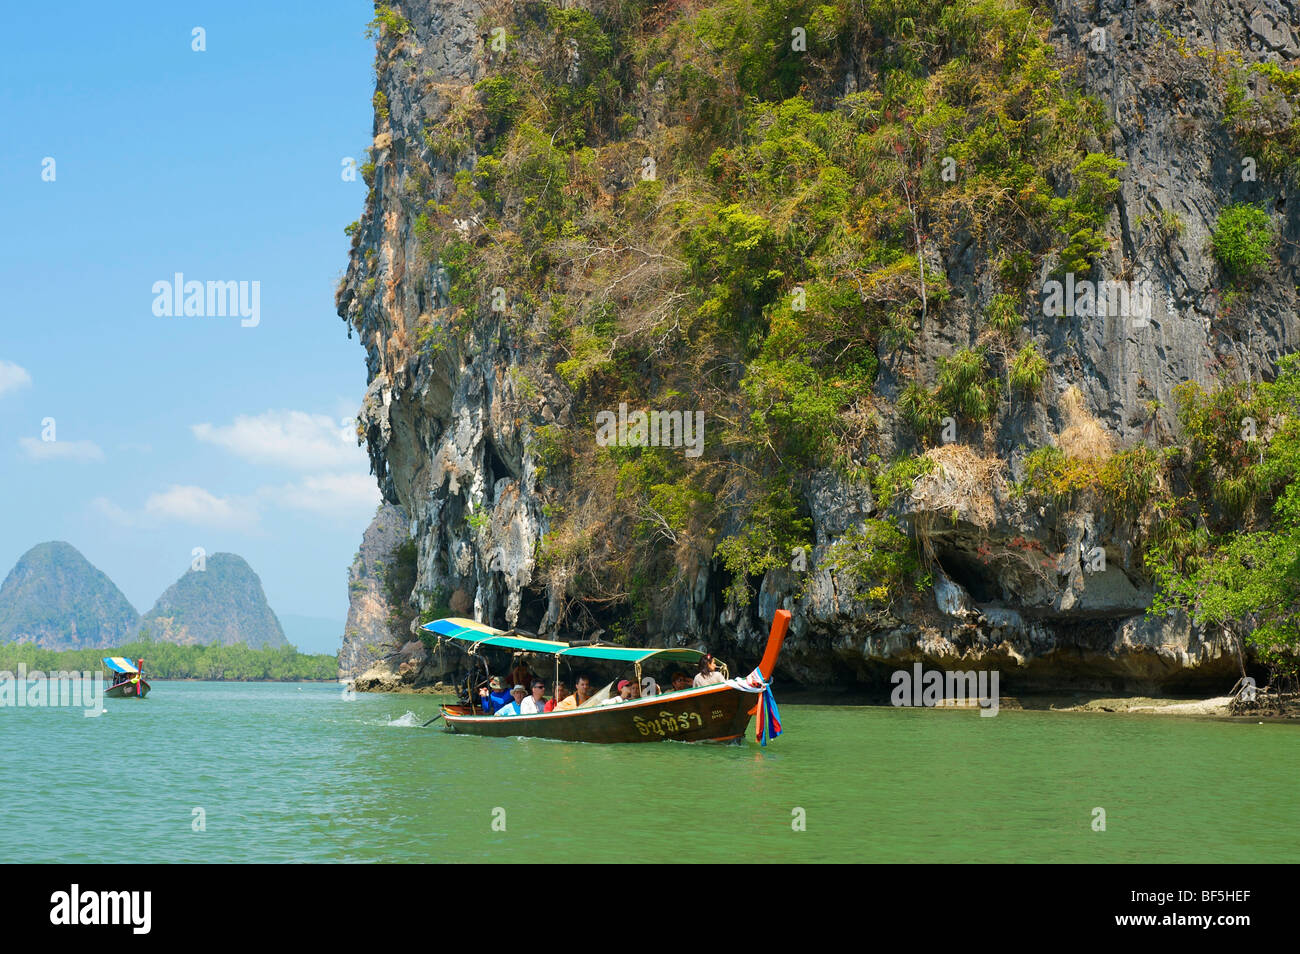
(719, 712)
(128, 680)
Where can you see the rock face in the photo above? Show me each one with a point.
(368, 635)
(450, 429)
(222, 603)
(55, 598)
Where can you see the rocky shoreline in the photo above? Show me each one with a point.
(380, 679)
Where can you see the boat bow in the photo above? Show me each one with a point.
(775, 640)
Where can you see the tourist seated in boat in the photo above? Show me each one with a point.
(649, 687)
(515, 706)
(521, 675)
(626, 690)
(708, 674)
(680, 681)
(494, 695)
(582, 693)
(535, 702)
(561, 691)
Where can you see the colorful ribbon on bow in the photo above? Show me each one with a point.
(769, 717)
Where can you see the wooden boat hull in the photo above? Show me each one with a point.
(126, 690)
(718, 713)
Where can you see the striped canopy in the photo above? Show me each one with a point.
(469, 631)
(118, 664)
(628, 654)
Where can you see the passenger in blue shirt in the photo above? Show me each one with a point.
(496, 698)
(515, 706)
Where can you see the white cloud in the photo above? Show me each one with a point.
(60, 450)
(184, 504)
(12, 377)
(296, 439)
(189, 504)
(112, 511)
(330, 494)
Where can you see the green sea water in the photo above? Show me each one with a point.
(283, 772)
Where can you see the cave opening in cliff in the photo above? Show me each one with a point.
(494, 606)
(493, 464)
(967, 570)
(533, 604)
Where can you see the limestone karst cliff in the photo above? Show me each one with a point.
(54, 597)
(848, 235)
(368, 635)
(219, 601)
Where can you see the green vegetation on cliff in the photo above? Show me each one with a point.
(704, 214)
(1230, 551)
(1215, 513)
(1243, 237)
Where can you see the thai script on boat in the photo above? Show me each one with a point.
(668, 723)
(651, 429)
(181, 299)
(934, 687)
(38, 689)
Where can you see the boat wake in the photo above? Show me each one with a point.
(408, 721)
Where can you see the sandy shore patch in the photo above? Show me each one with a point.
(1214, 706)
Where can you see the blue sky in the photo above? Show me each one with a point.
(172, 433)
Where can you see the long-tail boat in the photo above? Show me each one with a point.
(719, 712)
(128, 680)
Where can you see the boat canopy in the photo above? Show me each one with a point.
(469, 631)
(628, 654)
(118, 664)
